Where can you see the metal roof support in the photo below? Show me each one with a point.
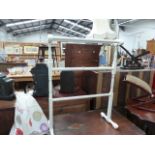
(72, 30)
(24, 22)
(29, 28)
(65, 33)
(77, 25)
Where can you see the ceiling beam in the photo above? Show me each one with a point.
(72, 31)
(65, 33)
(128, 21)
(15, 34)
(2, 23)
(53, 21)
(77, 25)
(59, 24)
(24, 22)
(11, 31)
(29, 28)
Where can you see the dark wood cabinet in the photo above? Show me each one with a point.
(81, 55)
(7, 109)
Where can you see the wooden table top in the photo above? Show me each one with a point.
(141, 114)
(28, 77)
(4, 105)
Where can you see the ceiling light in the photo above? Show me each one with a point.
(24, 22)
(128, 21)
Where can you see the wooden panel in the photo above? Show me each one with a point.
(99, 89)
(6, 116)
(142, 118)
(122, 92)
(73, 105)
(6, 121)
(105, 88)
(151, 46)
(116, 86)
(81, 55)
(151, 78)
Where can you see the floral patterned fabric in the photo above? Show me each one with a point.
(29, 117)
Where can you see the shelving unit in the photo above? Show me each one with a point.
(22, 56)
(111, 69)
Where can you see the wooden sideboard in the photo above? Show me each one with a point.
(142, 118)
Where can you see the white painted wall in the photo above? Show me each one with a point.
(137, 34)
(33, 37)
(127, 40)
(4, 36)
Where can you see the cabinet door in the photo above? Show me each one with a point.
(151, 46)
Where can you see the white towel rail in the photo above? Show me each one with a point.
(111, 69)
(80, 97)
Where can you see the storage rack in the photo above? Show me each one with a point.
(112, 69)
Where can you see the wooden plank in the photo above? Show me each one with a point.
(122, 92)
(139, 91)
(151, 78)
(28, 77)
(116, 88)
(99, 89)
(128, 89)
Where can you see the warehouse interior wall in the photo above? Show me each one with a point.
(33, 37)
(137, 34)
(126, 39)
(4, 36)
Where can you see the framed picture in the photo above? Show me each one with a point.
(31, 49)
(13, 50)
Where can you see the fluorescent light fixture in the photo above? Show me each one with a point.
(24, 22)
(77, 25)
(128, 21)
(72, 30)
(29, 28)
